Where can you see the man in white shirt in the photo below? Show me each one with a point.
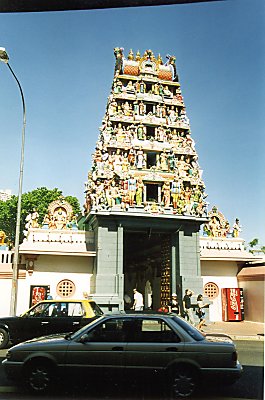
(138, 304)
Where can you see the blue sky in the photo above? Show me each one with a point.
(64, 62)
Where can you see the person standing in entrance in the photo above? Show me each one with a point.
(138, 304)
(187, 305)
(173, 305)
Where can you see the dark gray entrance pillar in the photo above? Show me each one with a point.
(108, 279)
(185, 255)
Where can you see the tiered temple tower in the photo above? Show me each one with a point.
(145, 196)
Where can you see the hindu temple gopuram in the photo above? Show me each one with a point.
(145, 197)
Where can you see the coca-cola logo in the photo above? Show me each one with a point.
(233, 300)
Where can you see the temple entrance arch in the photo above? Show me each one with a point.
(143, 263)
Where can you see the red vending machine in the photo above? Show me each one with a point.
(38, 293)
(232, 304)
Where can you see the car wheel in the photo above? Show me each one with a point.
(4, 338)
(184, 382)
(39, 377)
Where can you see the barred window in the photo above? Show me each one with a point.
(65, 288)
(211, 290)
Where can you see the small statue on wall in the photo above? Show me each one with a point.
(236, 229)
(118, 52)
(32, 221)
(2, 237)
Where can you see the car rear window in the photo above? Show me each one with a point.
(191, 330)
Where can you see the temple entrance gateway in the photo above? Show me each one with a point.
(132, 251)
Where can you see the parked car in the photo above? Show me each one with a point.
(47, 317)
(165, 345)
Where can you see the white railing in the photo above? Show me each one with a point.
(221, 243)
(6, 256)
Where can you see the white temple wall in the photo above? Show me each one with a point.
(69, 264)
(219, 268)
(81, 282)
(215, 309)
(5, 290)
(48, 270)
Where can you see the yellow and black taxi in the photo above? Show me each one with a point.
(47, 317)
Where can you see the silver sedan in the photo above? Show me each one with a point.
(128, 344)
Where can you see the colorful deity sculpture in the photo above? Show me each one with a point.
(145, 156)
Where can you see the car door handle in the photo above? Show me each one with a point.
(76, 323)
(45, 323)
(117, 348)
(171, 349)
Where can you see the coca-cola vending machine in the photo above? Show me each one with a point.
(38, 293)
(232, 304)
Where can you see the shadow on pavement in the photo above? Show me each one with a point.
(249, 386)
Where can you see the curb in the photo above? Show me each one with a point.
(255, 338)
(247, 337)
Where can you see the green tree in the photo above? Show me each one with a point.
(39, 199)
(253, 244)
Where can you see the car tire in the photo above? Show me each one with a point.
(183, 382)
(39, 376)
(4, 338)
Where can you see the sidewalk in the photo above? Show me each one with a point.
(237, 330)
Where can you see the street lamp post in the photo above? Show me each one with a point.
(13, 301)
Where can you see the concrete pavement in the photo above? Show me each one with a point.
(237, 330)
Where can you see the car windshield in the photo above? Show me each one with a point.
(191, 330)
(83, 330)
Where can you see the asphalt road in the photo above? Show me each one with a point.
(250, 385)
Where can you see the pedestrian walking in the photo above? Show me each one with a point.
(138, 303)
(200, 312)
(187, 306)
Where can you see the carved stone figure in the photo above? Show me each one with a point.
(131, 189)
(139, 158)
(236, 228)
(139, 191)
(2, 237)
(166, 194)
(32, 220)
(175, 192)
(145, 136)
(118, 52)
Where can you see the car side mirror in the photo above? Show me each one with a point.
(84, 338)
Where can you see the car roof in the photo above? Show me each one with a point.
(140, 315)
